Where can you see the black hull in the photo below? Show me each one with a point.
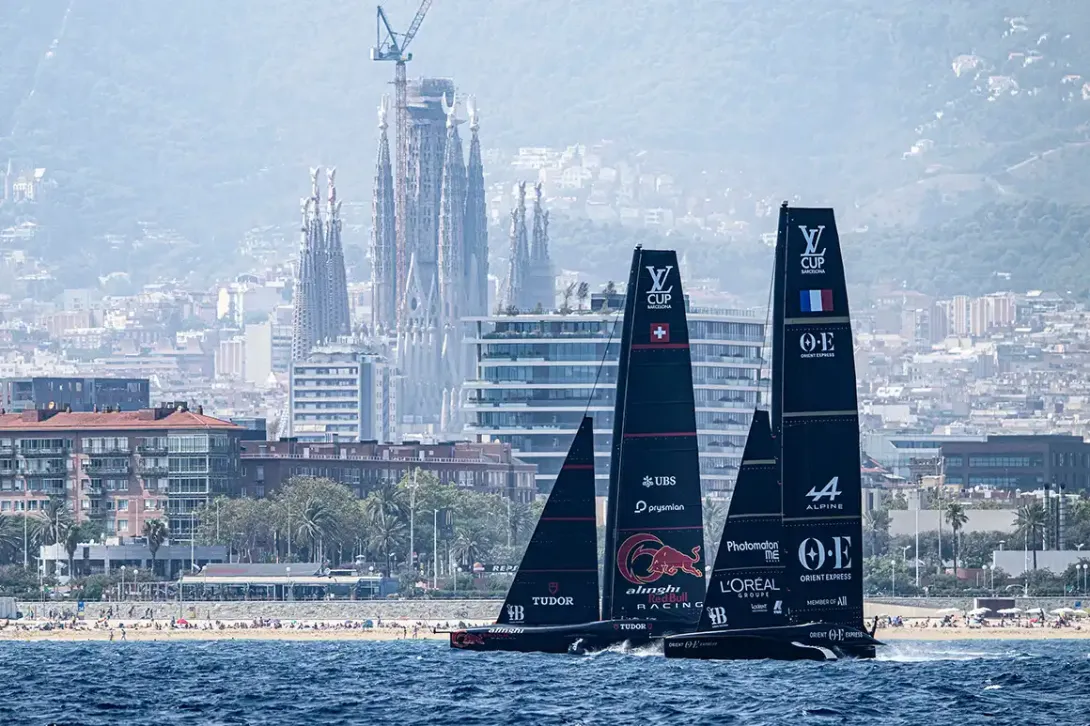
(573, 639)
(813, 641)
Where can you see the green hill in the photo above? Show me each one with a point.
(204, 115)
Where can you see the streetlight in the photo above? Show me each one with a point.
(292, 591)
(136, 587)
(121, 591)
(893, 572)
(904, 553)
(1080, 546)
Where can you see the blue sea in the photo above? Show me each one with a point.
(423, 682)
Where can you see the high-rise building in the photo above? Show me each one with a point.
(430, 266)
(537, 374)
(320, 311)
(342, 392)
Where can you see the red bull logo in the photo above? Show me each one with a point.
(462, 639)
(643, 558)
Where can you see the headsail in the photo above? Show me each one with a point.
(654, 530)
(746, 587)
(822, 527)
(557, 582)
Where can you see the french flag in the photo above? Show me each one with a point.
(816, 301)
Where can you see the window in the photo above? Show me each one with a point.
(122, 505)
(122, 525)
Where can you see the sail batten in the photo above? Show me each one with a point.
(654, 567)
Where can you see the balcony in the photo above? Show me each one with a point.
(44, 451)
(153, 469)
(152, 449)
(102, 468)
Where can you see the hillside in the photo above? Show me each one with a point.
(203, 116)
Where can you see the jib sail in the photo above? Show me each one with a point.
(746, 587)
(654, 565)
(822, 528)
(557, 582)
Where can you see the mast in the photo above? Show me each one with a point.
(778, 281)
(609, 566)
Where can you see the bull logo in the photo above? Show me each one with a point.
(662, 560)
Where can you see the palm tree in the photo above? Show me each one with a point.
(156, 532)
(318, 521)
(11, 538)
(71, 543)
(57, 519)
(582, 293)
(876, 526)
(386, 531)
(956, 516)
(569, 290)
(1030, 523)
(610, 288)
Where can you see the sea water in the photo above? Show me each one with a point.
(424, 682)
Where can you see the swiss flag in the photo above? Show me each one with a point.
(660, 332)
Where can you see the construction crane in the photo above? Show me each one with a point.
(391, 46)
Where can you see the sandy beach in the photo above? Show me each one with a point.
(423, 630)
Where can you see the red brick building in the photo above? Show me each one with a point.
(121, 467)
(487, 467)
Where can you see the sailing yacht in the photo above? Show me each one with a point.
(810, 605)
(653, 572)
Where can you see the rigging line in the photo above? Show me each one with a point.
(617, 315)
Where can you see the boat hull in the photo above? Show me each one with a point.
(558, 638)
(811, 641)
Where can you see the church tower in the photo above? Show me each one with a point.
(475, 224)
(383, 234)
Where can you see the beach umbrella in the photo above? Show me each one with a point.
(1062, 611)
(977, 612)
(1079, 613)
(1009, 611)
(1035, 611)
(948, 611)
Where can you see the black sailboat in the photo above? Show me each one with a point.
(554, 595)
(654, 567)
(653, 570)
(815, 425)
(746, 586)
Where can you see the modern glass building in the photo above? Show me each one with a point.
(537, 374)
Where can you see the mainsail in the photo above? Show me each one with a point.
(745, 590)
(822, 527)
(654, 567)
(557, 582)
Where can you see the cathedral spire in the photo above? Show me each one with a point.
(542, 284)
(475, 223)
(519, 263)
(339, 320)
(451, 214)
(383, 234)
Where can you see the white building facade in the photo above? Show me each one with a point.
(342, 393)
(537, 374)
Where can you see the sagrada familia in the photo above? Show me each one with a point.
(320, 311)
(429, 259)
